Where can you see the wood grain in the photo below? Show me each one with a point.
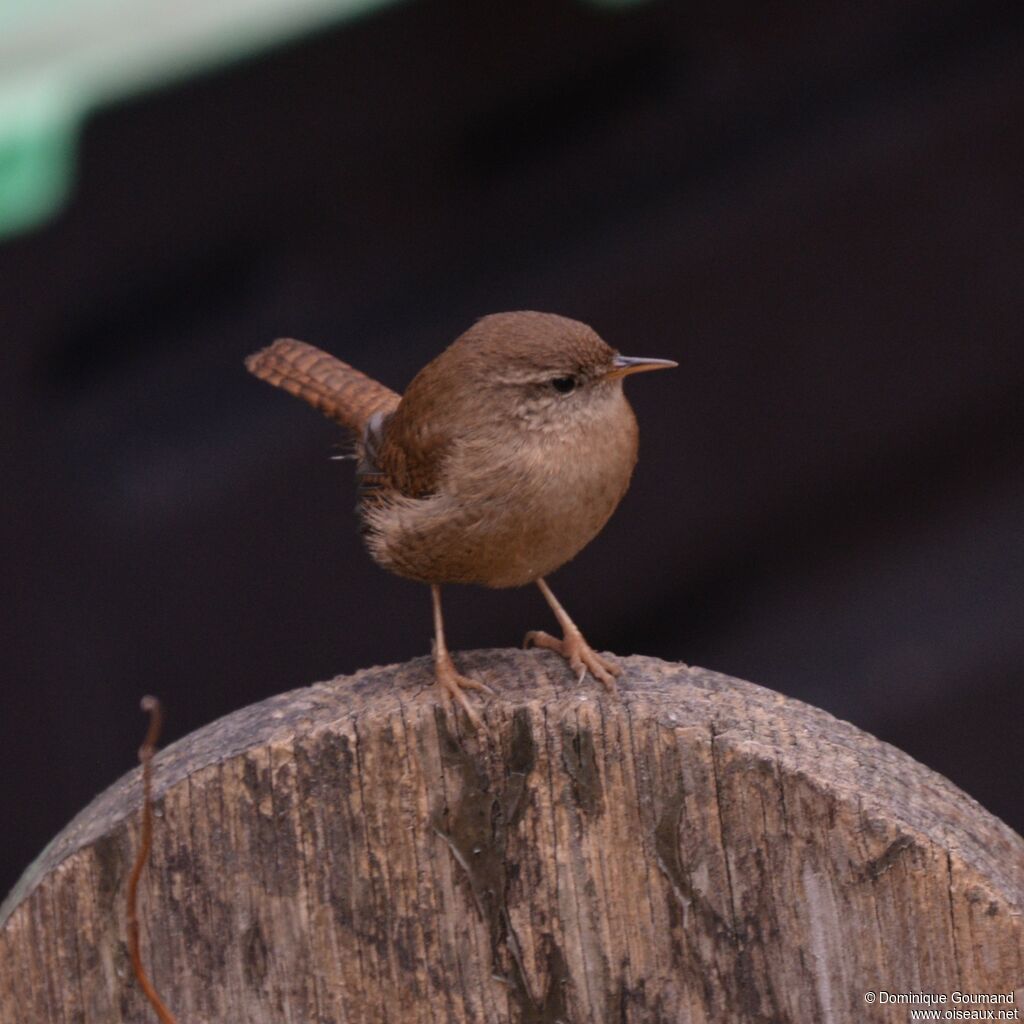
(700, 850)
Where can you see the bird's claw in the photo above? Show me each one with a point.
(581, 656)
(453, 686)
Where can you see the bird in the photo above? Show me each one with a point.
(503, 458)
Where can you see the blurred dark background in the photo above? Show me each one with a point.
(816, 209)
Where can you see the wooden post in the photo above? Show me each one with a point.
(700, 849)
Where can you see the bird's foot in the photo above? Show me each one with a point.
(581, 656)
(453, 686)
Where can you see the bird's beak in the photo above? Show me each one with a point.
(623, 365)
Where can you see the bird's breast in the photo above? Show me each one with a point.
(512, 505)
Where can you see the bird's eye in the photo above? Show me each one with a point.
(563, 385)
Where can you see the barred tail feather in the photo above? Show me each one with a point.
(336, 389)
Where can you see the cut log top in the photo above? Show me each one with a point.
(699, 848)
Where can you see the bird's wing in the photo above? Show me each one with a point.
(410, 451)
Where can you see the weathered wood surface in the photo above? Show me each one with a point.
(700, 850)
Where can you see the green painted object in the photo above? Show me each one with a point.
(37, 146)
(61, 59)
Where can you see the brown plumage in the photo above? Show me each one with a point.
(339, 391)
(504, 457)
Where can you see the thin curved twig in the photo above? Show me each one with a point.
(152, 706)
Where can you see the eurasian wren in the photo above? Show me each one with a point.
(504, 457)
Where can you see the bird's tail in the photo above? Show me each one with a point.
(340, 392)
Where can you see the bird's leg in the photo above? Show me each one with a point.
(452, 684)
(580, 655)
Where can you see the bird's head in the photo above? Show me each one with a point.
(542, 371)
